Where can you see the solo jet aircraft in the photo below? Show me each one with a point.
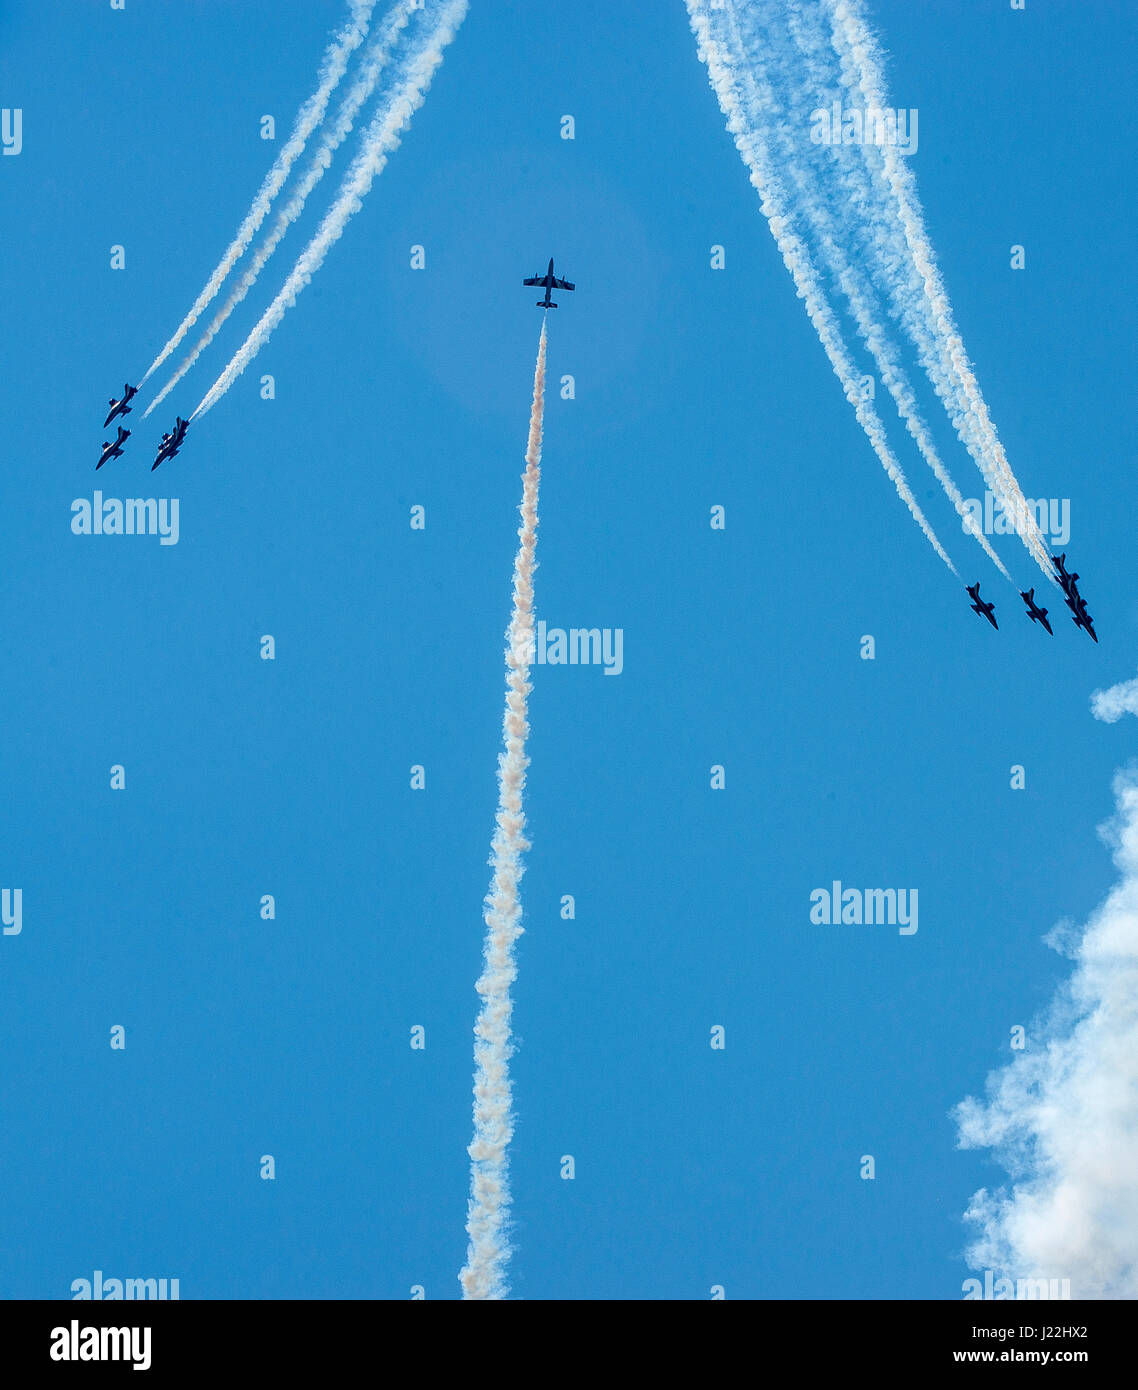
(121, 407)
(171, 443)
(549, 282)
(986, 610)
(113, 451)
(1034, 612)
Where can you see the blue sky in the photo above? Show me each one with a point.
(397, 387)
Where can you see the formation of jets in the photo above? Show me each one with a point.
(169, 446)
(1071, 597)
(171, 441)
(549, 283)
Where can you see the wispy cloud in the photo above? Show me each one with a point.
(1111, 704)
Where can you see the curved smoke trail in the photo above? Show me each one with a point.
(484, 1276)
(721, 54)
(826, 223)
(308, 118)
(939, 335)
(375, 59)
(381, 138)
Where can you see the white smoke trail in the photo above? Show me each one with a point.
(719, 48)
(811, 202)
(939, 335)
(380, 139)
(1062, 1118)
(484, 1275)
(308, 118)
(376, 58)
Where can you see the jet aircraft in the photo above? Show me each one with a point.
(549, 282)
(113, 451)
(121, 407)
(1034, 612)
(985, 610)
(1081, 617)
(171, 443)
(1066, 581)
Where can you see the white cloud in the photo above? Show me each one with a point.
(1062, 1118)
(1110, 705)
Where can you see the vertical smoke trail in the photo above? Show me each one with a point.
(763, 105)
(308, 118)
(484, 1275)
(720, 55)
(381, 137)
(853, 40)
(376, 58)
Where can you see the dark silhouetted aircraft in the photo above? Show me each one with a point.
(1081, 617)
(121, 407)
(113, 451)
(1067, 581)
(171, 443)
(1034, 612)
(1072, 598)
(1084, 620)
(550, 282)
(986, 610)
